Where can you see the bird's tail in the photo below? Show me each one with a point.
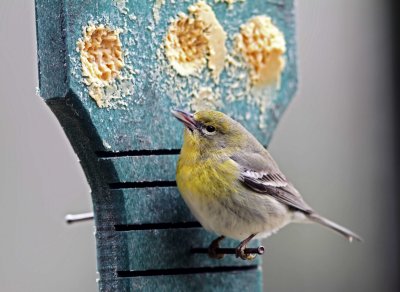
(350, 235)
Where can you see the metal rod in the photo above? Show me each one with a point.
(251, 250)
(73, 218)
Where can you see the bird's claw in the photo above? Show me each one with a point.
(240, 253)
(212, 250)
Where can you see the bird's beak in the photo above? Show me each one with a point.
(186, 118)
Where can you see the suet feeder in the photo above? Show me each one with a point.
(111, 71)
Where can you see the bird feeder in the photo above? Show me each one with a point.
(111, 71)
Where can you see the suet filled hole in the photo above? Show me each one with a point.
(101, 58)
(195, 40)
(186, 45)
(101, 53)
(262, 45)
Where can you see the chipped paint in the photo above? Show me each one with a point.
(194, 40)
(262, 45)
(156, 9)
(229, 2)
(121, 6)
(204, 98)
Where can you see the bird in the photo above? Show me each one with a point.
(233, 186)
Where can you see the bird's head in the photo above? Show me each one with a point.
(211, 130)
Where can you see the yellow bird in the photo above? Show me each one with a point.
(233, 186)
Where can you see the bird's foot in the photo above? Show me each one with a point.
(240, 253)
(240, 250)
(214, 246)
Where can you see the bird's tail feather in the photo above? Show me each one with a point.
(350, 235)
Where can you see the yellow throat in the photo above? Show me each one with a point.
(204, 173)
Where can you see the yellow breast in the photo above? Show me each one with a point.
(210, 177)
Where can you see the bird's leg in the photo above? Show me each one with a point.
(212, 249)
(241, 247)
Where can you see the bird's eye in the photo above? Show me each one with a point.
(210, 129)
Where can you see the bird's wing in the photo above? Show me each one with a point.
(260, 173)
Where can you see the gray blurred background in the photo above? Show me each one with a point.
(335, 142)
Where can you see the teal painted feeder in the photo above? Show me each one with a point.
(111, 71)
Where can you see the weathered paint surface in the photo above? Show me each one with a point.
(216, 282)
(153, 205)
(145, 121)
(134, 198)
(143, 168)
